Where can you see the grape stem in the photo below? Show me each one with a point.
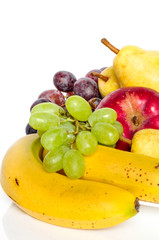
(63, 105)
(77, 127)
(67, 120)
(87, 126)
(124, 139)
(84, 127)
(109, 45)
(99, 75)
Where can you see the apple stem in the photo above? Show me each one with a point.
(104, 78)
(109, 45)
(124, 139)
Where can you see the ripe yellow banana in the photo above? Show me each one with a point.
(56, 199)
(134, 172)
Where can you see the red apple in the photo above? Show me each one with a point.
(137, 108)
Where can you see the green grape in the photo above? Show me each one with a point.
(73, 164)
(44, 120)
(48, 107)
(52, 162)
(111, 146)
(40, 133)
(78, 107)
(53, 138)
(105, 133)
(68, 126)
(86, 142)
(70, 139)
(119, 127)
(106, 115)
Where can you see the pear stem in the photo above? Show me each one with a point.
(109, 45)
(99, 75)
(124, 139)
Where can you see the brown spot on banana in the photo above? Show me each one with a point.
(17, 182)
(157, 166)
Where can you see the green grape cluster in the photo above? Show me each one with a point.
(69, 134)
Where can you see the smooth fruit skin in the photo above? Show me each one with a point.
(56, 199)
(111, 85)
(134, 172)
(134, 66)
(64, 81)
(146, 142)
(137, 108)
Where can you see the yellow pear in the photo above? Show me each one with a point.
(109, 85)
(146, 142)
(134, 66)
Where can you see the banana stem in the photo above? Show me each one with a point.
(109, 45)
(124, 139)
(99, 75)
(137, 204)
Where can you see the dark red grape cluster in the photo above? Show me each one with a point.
(86, 87)
(66, 85)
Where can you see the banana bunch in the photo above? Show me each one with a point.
(56, 199)
(106, 195)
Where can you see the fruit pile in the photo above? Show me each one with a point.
(80, 126)
(64, 120)
(69, 134)
(67, 85)
(70, 128)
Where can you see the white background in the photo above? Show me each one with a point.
(39, 38)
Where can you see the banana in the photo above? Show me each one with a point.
(56, 199)
(136, 173)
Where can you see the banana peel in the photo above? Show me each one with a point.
(134, 172)
(56, 199)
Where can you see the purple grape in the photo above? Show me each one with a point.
(40, 100)
(64, 81)
(86, 88)
(54, 96)
(89, 75)
(94, 102)
(29, 129)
